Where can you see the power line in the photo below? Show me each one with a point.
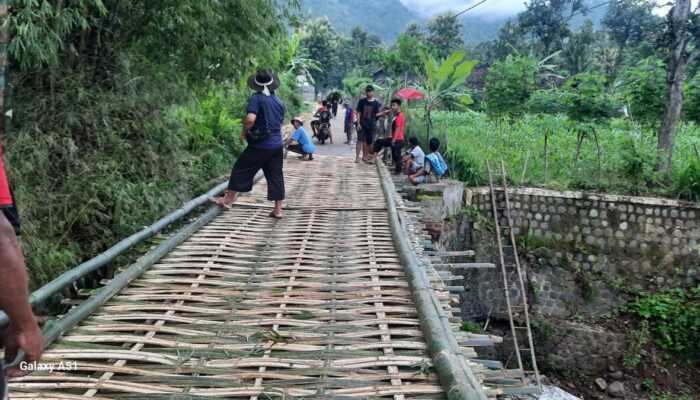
(462, 12)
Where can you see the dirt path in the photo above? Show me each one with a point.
(338, 148)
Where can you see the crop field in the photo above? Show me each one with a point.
(544, 148)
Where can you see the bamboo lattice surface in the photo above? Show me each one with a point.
(314, 305)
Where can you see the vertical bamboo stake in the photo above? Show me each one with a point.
(522, 177)
(546, 136)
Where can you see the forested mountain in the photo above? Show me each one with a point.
(388, 18)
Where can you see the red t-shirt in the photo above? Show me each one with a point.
(5, 196)
(321, 109)
(397, 127)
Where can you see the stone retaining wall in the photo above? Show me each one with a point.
(650, 243)
(583, 255)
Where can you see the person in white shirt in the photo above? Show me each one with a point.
(415, 158)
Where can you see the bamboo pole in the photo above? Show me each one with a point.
(62, 281)
(459, 382)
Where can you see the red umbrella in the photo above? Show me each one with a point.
(409, 94)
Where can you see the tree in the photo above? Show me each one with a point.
(577, 54)
(362, 44)
(681, 37)
(590, 102)
(415, 30)
(643, 87)
(627, 23)
(320, 41)
(445, 34)
(548, 20)
(510, 83)
(442, 81)
(511, 38)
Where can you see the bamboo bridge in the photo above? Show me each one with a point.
(339, 299)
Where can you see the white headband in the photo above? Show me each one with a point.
(265, 91)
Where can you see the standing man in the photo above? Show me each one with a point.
(368, 110)
(304, 145)
(349, 122)
(262, 128)
(396, 139)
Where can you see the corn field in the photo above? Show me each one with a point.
(616, 157)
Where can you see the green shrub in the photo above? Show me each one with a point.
(688, 182)
(674, 321)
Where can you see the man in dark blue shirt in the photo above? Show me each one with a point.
(367, 111)
(262, 128)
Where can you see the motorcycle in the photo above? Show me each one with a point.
(324, 132)
(323, 128)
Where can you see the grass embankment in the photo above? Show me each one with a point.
(624, 163)
(114, 160)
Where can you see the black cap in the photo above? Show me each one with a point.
(369, 88)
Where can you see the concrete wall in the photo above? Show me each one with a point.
(583, 254)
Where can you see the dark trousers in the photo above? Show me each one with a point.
(395, 150)
(250, 162)
(296, 148)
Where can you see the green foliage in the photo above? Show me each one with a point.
(473, 138)
(401, 58)
(370, 14)
(322, 43)
(124, 110)
(509, 85)
(637, 163)
(441, 85)
(674, 321)
(445, 34)
(39, 28)
(469, 326)
(688, 181)
(548, 20)
(635, 350)
(691, 105)
(590, 100)
(551, 101)
(577, 53)
(644, 87)
(628, 22)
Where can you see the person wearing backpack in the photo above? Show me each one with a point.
(262, 129)
(434, 168)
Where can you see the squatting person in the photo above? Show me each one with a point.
(304, 145)
(262, 128)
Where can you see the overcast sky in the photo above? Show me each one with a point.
(428, 8)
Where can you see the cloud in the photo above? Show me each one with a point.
(491, 8)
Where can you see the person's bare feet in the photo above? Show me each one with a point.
(220, 201)
(276, 215)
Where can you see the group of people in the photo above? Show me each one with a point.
(262, 129)
(367, 119)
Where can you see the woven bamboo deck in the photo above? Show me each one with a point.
(312, 306)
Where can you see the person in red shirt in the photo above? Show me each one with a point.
(396, 139)
(23, 332)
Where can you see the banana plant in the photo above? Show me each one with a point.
(443, 83)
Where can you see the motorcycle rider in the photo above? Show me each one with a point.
(324, 116)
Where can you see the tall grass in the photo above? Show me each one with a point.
(623, 164)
